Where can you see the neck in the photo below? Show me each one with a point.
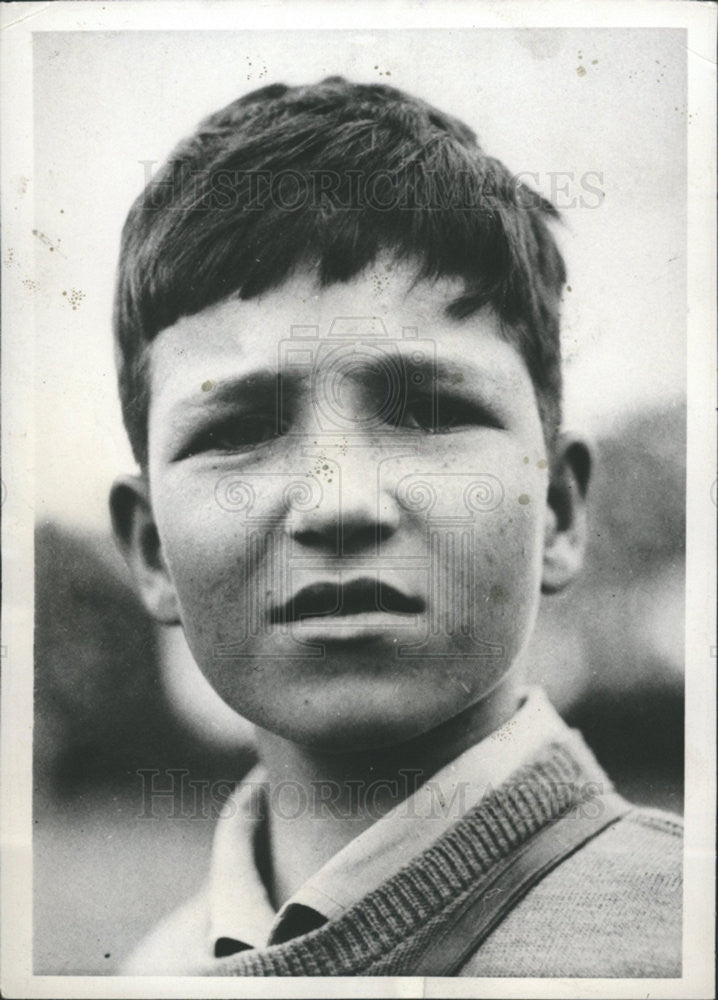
(324, 800)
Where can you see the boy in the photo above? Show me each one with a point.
(338, 342)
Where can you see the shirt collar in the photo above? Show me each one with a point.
(240, 908)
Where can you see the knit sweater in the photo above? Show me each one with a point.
(612, 909)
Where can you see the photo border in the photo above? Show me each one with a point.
(20, 21)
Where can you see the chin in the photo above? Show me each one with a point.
(357, 727)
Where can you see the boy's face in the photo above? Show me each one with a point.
(349, 490)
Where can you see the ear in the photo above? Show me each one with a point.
(565, 533)
(137, 537)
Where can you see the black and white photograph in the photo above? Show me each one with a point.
(358, 499)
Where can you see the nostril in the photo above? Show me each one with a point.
(314, 539)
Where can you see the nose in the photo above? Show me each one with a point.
(356, 512)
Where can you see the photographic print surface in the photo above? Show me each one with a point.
(376, 577)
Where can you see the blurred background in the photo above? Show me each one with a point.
(117, 698)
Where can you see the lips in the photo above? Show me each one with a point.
(327, 599)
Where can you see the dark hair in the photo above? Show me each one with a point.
(328, 176)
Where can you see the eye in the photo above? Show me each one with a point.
(444, 414)
(236, 435)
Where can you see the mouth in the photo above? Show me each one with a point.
(361, 597)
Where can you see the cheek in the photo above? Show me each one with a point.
(514, 595)
(205, 546)
(507, 561)
(502, 487)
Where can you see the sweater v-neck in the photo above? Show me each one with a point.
(241, 915)
(381, 933)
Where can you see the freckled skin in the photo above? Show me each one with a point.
(476, 569)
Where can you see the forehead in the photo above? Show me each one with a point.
(382, 308)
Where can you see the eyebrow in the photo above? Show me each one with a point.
(459, 372)
(253, 386)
